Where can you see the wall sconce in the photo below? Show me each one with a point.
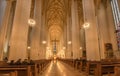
(31, 22)
(29, 47)
(44, 42)
(80, 48)
(86, 25)
(69, 42)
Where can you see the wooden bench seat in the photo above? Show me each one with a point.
(16, 70)
(99, 68)
(23, 69)
(92, 67)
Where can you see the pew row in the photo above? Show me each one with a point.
(23, 70)
(100, 68)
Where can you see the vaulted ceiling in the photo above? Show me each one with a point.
(55, 11)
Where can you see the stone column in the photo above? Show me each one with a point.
(111, 25)
(75, 30)
(18, 41)
(43, 35)
(68, 49)
(35, 46)
(103, 29)
(61, 46)
(48, 49)
(4, 26)
(65, 39)
(91, 34)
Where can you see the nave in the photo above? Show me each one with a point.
(83, 34)
(57, 68)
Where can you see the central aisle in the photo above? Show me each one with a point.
(60, 69)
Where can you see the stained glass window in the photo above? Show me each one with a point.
(116, 14)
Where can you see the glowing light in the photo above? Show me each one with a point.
(44, 42)
(80, 48)
(31, 22)
(86, 25)
(29, 47)
(69, 42)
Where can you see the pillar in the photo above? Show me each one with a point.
(18, 41)
(75, 30)
(35, 45)
(91, 34)
(69, 45)
(111, 25)
(104, 36)
(43, 35)
(65, 39)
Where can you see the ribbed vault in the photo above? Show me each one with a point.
(55, 14)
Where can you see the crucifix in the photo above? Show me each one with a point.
(54, 45)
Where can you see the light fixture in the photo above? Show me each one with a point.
(44, 42)
(86, 25)
(80, 48)
(31, 22)
(29, 47)
(69, 42)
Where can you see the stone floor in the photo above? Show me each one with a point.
(61, 69)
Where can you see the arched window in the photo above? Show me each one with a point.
(116, 14)
(2, 10)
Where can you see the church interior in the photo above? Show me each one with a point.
(59, 37)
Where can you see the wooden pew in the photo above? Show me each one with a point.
(23, 69)
(77, 64)
(117, 70)
(92, 68)
(106, 67)
(113, 65)
(41, 64)
(102, 67)
(116, 67)
(16, 70)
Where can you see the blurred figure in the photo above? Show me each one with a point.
(11, 62)
(18, 62)
(25, 61)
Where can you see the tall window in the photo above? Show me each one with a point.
(9, 29)
(116, 14)
(2, 10)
